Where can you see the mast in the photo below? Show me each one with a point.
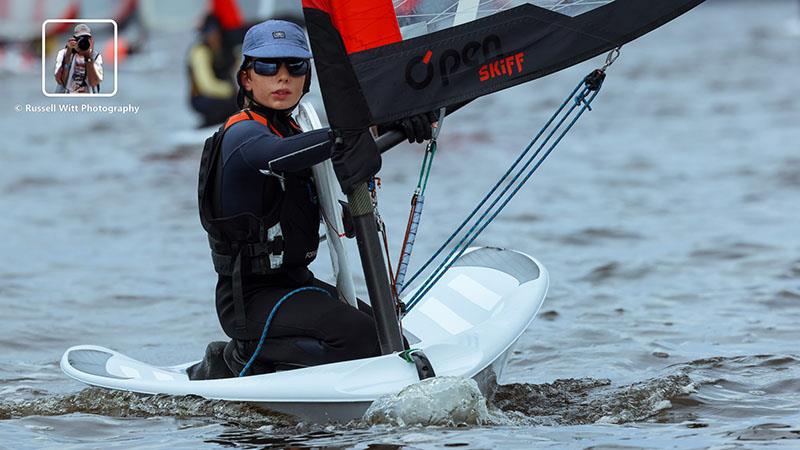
(337, 29)
(369, 248)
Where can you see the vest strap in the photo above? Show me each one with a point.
(258, 258)
(238, 295)
(247, 114)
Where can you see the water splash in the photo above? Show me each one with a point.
(445, 401)
(694, 391)
(127, 404)
(586, 401)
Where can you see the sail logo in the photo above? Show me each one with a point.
(422, 70)
(504, 66)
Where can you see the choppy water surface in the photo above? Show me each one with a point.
(668, 221)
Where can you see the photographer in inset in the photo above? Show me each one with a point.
(79, 69)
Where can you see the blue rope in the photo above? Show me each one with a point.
(269, 320)
(481, 224)
(495, 187)
(439, 271)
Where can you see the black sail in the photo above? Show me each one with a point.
(497, 51)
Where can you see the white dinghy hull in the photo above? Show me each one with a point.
(467, 326)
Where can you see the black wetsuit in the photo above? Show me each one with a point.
(311, 327)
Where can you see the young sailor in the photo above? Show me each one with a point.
(259, 205)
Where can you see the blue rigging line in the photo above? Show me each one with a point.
(494, 188)
(581, 103)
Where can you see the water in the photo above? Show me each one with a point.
(668, 220)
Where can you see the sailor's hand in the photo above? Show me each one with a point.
(418, 128)
(85, 53)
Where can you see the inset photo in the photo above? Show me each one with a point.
(76, 58)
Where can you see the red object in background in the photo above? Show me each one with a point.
(59, 28)
(123, 48)
(228, 13)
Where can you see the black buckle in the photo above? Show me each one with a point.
(423, 365)
(347, 220)
(277, 245)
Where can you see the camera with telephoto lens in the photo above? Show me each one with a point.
(83, 43)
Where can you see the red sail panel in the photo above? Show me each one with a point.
(337, 28)
(362, 24)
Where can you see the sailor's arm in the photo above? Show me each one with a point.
(61, 75)
(93, 75)
(269, 152)
(63, 61)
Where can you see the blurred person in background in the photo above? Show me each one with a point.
(211, 65)
(79, 69)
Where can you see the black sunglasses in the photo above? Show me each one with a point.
(270, 67)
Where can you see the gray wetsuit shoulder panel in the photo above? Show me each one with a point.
(515, 264)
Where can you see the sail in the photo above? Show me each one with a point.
(340, 28)
(412, 56)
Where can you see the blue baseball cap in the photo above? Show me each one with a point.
(273, 39)
(276, 39)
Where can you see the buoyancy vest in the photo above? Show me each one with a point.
(247, 244)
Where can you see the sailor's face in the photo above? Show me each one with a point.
(279, 91)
